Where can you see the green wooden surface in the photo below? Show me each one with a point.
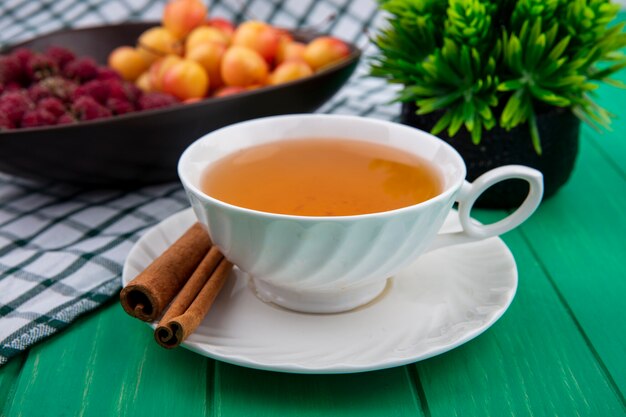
(533, 362)
(108, 364)
(580, 237)
(247, 392)
(558, 351)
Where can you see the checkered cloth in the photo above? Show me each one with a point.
(62, 249)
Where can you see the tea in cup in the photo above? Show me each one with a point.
(320, 210)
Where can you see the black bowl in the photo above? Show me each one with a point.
(143, 148)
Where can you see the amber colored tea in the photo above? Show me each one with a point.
(321, 177)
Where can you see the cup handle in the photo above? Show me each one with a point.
(469, 193)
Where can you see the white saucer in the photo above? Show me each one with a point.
(444, 299)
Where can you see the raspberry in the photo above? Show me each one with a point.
(38, 92)
(119, 106)
(66, 119)
(22, 55)
(99, 90)
(86, 108)
(156, 100)
(12, 86)
(125, 91)
(61, 56)
(59, 87)
(14, 104)
(5, 123)
(38, 117)
(53, 105)
(39, 67)
(105, 73)
(118, 91)
(10, 70)
(132, 91)
(81, 69)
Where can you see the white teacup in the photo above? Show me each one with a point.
(334, 264)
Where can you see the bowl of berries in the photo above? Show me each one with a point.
(115, 105)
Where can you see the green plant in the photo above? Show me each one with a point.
(481, 63)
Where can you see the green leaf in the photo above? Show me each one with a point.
(449, 51)
(469, 31)
(535, 52)
(456, 122)
(524, 31)
(565, 81)
(582, 115)
(511, 107)
(469, 113)
(549, 96)
(534, 133)
(515, 50)
(614, 83)
(476, 133)
(534, 34)
(466, 65)
(442, 123)
(438, 68)
(551, 34)
(603, 74)
(558, 50)
(525, 110)
(483, 109)
(429, 105)
(552, 67)
(415, 91)
(510, 85)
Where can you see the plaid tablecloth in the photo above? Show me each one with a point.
(62, 249)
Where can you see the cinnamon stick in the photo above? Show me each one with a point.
(146, 296)
(196, 282)
(187, 314)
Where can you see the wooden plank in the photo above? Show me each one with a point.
(612, 143)
(108, 364)
(532, 362)
(580, 239)
(8, 375)
(246, 392)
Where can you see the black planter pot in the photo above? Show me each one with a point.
(558, 129)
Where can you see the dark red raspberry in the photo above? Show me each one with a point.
(125, 90)
(119, 91)
(53, 105)
(86, 108)
(59, 87)
(38, 117)
(99, 90)
(66, 119)
(6, 123)
(156, 100)
(132, 91)
(105, 73)
(22, 55)
(61, 56)
(14, 104)
(38, 92)
(10, 70)
(39, 67)
(12, 86)
(81, 69)
(119, 106)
